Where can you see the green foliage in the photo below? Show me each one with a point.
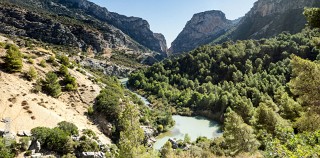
(56, 139)
(70, 82)
(107, 102)
(301, 145)
(24, 142)
(7, 151)
(166, 150)
(43, 63)
(268, 89)
(132, 136)
(239, 136)
(87, 144)
(31, 74)
(37, 86)
(90, 110)
(306, 81)
(51, 59)
(51, 84)
(64, 60)
(63, 70)
(313, 16)
(13, 59)
(68, 127)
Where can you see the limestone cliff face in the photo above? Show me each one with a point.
(201, 29)
(268, 18)
(84, 24)
(137, 28)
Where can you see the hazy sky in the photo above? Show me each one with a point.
(170, 16)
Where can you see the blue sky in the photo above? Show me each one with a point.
(170, 16)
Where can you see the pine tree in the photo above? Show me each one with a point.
(313, 16)
(132, 136)
(13, 59)
(238, 135)
(51, 84)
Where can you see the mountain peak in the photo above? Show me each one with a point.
(202, 27)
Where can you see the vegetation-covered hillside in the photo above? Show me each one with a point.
(265, 92)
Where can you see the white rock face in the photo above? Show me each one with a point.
(201, 29)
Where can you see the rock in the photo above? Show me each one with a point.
(24, 134)
(174, 143)
(92, 28)
(107, 68)
(268, 18)
(149, 133)
(202, 29)
(35, 145)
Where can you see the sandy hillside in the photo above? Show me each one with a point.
(28, 110)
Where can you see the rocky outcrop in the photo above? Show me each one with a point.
(107, 68)
(94, 35)
(202, 29)
(268, 18)
(137, 28)
(78, 23)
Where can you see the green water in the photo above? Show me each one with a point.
(193, 126)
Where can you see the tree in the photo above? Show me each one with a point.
(13, 59)
(51, 84)
(167, 151)
(238, 135)
(313, 16)
(305, 81)
(131, 136)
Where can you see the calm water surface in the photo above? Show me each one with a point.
(193, 126)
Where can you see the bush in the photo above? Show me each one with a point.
(64, 60)
(31, 74)
(90, 110)
(51, 59)
(37, 86)
(54, 139)
(51, 84)
(13, 59)
(313, 16)
(43, 63)
(69, 128)
(71, 83)
(30, 61)
(63, 70)
(24, 142)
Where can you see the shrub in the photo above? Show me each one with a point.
(37, 86)
(43, 63)
(51, 84)
(68, 127)
(31, 74)
(90, 110)
(51, 59)
(63, 70)
(30, 61)
(71, 83)
(13, 59)
(24, 143)
(64, 60)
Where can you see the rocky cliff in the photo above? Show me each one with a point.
(79, 23)
(201, 29)
(268, 18)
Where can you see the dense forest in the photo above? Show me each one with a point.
(265, 92)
